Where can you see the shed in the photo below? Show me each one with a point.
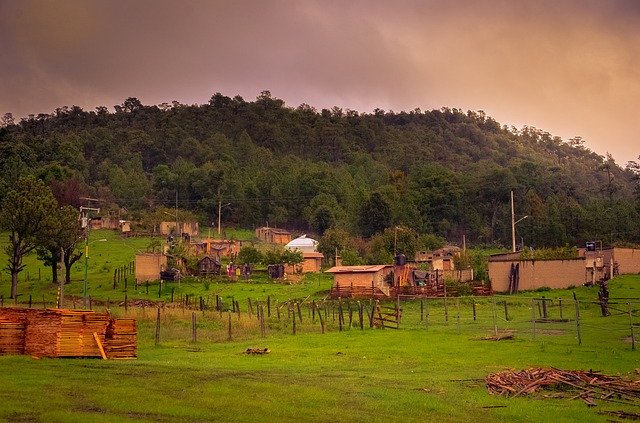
(149, 265)
(361, 280)
(273, 235)
(208, 266)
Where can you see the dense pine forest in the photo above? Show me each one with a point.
(440, 173)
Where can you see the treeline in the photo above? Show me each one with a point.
(444, 173)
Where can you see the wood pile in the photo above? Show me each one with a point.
(585, 385)
(121, 339)
(63, 333)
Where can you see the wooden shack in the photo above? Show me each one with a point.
(361, 281)
(208, 266)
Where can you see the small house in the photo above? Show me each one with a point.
(372, 280)
(149, 265)
(208, 266)
(312, 262)
(303, 244)
(273, 235)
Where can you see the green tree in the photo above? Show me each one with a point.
(249, 254)
(374, 216)
(28, 213)
(64, 236)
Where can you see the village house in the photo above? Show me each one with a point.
(184, 228)
(362, 281)
(510, 273)
(273, 235)
(148, 266)
(312, 259)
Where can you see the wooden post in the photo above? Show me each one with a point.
(446, 311)
(340, 317)
(578, 319)
(544, 307)
(294, 320)
(426, 313)
(506, 311)
(172, 292)
(262, 326)
(125, 303)
(193, 327)
(458, 312)
(473, 305)
(278, 310)
(268, 305)
(495, 317)
(229, 332)
(633, 339)
(158, 327)
(560, 307)
(321, 320)
(361, 315)
(533, 318)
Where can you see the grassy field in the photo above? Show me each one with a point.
(431, 369)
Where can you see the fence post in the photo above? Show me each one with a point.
(446, 311)
(533, 318)
(229, 338)
(294, 319)
(560, 307)
(321, 321)
(268, 305)
(578, 319)
(473, 306)
(633, 339)
(193, 326)
(262, 327)
(158, 327)
(495, 317)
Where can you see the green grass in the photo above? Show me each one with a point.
(431, 369)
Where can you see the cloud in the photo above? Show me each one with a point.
(570, 68)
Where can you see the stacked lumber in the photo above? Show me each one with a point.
(121, 339)
(586, 385)
(11, 338)
(93, 323)
(12, 325)
(65, 333)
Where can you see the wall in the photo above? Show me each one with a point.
(149, 265)
(628, 260)
(534, 274)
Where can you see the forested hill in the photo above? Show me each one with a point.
(444, 172)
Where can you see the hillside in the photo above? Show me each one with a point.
(444, 172)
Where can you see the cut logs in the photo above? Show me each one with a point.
(65, 333)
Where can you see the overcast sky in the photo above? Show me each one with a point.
(571, 68)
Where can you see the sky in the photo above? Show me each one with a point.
(567, 67)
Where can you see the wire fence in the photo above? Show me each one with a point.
(561, 320)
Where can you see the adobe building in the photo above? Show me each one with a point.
(149, 265)
(371, 280)
(509, 273)
(273, 235)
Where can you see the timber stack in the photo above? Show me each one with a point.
(63, 333)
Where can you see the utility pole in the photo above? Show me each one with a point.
(513, 225)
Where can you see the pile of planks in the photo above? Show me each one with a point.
(121, 339)
(586, 385)
(63, 333)
(12, 325)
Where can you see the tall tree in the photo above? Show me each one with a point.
(27, 213)
(66, 233)
(375, 215)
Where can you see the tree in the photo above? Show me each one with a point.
(27, 213)
(334, 241)
(65, 235)
(249, 254)
(375, 215)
